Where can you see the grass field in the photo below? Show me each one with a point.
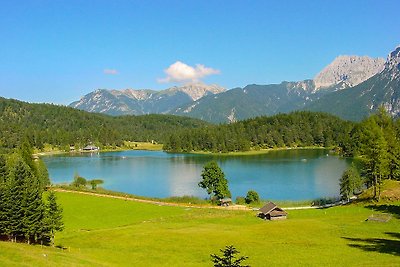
(112, 232)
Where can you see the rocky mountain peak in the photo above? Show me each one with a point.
(392, 65)
(132, 93)
(350, 70)
(197, 90)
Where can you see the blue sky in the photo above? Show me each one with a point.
(57, 51)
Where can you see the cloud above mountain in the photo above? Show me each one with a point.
(110, 71)
(181, 72)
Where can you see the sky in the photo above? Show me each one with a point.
(56, 51)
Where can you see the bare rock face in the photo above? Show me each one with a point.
(197, 90)
(349, 70)
(358, 102)
(138, 102)
(392, 65)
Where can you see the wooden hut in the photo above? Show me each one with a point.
(225, 202)
(270, 211)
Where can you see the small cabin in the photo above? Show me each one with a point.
(271, 211)
(225, 202)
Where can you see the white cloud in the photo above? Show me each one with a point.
(181, 72)
(110, 71)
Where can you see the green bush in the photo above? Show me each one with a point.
(252, 197)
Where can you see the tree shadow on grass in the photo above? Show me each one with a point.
(381, 245)
(393, 209)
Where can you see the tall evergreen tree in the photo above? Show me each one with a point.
(15, 198)
(33, 210)
(350, 182)
(375, 155)
(54, 220)
(386, 123)
(26, 151)
(42, 174)
(3, 176)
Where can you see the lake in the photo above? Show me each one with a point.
(295, 174)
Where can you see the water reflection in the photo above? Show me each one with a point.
(290, 174)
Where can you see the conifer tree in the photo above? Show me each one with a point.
(350, 182)
(3, 174)
(33, 210)
(53, 222)
(15, 198)
(42, 174)
(376, 156)
(26, 151)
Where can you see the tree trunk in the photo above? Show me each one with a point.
(379, 189)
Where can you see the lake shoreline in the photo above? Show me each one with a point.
(252, 152)
(163, 202)
(158, 147)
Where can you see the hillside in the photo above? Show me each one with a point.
(62, 126)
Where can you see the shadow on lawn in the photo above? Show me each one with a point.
(393, 209)
(381, 245)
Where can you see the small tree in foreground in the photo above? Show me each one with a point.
(214, 181)
(228, 259)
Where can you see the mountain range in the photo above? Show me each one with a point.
(351, 87)
(140, 102)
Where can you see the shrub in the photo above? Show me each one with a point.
(252, 197)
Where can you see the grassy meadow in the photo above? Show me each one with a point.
(103, 231)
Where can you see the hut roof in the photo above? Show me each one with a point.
(225, 199)
(273, 209)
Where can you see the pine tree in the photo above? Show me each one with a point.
(3, 176)
(350, 182)
(376, 156)
(26, 151)
(53, 221)
(15, 198)
(228, 259)
(42, 174)
(33, 210)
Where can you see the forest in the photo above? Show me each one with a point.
(24, 214)
(297, 129)
(61, 126)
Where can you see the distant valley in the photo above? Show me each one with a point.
(351, 87)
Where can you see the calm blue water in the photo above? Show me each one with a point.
(279, 175)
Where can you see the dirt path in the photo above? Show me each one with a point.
(154, 202)
(185, 205)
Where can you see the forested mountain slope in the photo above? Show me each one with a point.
(64, 126)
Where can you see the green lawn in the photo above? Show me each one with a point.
(111, 232)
